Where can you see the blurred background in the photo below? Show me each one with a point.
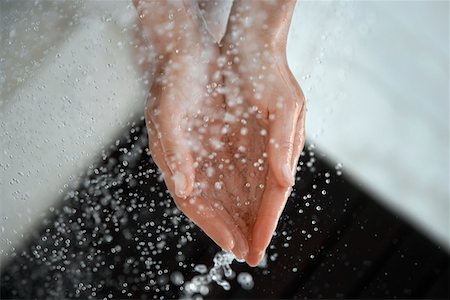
(375, 74)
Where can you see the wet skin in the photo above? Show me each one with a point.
(225, 121)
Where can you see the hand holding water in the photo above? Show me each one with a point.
(226, 122)
(259, 79)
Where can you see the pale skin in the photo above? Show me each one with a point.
(225, 120)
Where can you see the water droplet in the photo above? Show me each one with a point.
(218, 185)
(245, 280)
(263, 132)
(202, 269)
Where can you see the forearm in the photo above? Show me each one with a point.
(171, 31)
(259, 23)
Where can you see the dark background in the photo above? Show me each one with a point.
(119, 235)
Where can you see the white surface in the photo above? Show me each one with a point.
(375, 73)
(57, 121)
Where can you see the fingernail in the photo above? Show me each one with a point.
(223, 237)
(258, 257)
(241, 254)
(180, 184)
(288, 174)
(229, 245)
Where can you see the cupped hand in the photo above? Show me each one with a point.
(187, 123)
(226, 124)
(262, 90)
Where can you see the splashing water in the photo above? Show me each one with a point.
(109, 225)
(90, 238)
(219, 273)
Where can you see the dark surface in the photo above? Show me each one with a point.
(118, 235)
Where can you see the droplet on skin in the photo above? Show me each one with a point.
(263, 132)
(216, 144)
(280, 104)
(209, 172)
(218, 185)
(180, 184)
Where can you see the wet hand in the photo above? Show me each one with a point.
(225, 126)
(258, 80)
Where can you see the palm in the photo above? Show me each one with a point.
(228, 142)
(247, 183)
(233, 174)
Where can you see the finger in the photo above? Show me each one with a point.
(241, 247)
(195, 208)
(155, 146)
(204, 216)
(177, 152)
(283, 119)
(272, 205)
(274, 200)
